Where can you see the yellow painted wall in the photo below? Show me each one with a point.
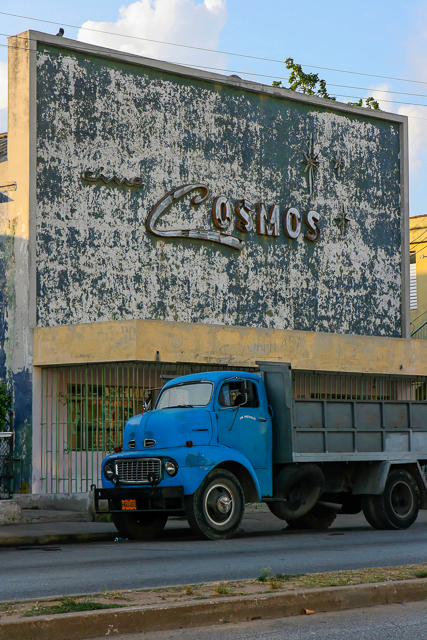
(418, 244)
(140, 340)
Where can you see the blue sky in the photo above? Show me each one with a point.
(386, 38)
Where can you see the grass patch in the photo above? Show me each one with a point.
(421, 574)
(345, 578)
(67, 605)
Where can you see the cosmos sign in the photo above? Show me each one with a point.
(268, 220)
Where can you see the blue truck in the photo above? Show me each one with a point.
(309, 446)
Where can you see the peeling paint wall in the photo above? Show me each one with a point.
(97, 262)
(16, 329)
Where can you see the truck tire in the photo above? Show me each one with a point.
(216, 509)
(370, 512)
(398, 506)
(319, 517)
(140, 526)
(300, 486)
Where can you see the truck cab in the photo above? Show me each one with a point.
(203, 426)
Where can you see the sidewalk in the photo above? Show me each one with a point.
(56, 527)
(65, 527)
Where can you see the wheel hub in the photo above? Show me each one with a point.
(401, 499)
(219, 505)
(224, 504)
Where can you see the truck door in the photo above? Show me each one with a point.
(243, 421)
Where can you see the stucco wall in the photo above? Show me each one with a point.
(97, 262)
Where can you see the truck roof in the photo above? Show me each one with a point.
(213, 376)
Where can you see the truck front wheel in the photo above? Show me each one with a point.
(216, 509)
(140, 526)
(398, 506)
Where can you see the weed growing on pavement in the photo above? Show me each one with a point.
(67, 605)
(274, 583)
(188, 590)
(264, 574)
(222, 590)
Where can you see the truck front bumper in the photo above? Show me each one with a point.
(137, 499)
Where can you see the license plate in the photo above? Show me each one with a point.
(129, 505)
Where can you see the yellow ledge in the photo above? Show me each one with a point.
(151, 340)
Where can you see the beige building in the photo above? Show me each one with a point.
(418, 276)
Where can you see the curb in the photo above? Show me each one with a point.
(59, 538)
(79, 626)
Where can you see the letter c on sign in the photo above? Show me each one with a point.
(221, 212)
(292, 223)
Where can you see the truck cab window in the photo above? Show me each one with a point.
(236, 393)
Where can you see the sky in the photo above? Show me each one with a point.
(376, 47)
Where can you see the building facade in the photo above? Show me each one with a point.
(418, 275)
(158, 220)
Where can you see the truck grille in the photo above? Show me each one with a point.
(136, 471)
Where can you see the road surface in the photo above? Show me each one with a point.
(180, 558)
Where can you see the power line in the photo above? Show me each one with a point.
(8, 46)
(228, 53)
(342, 86)
(264, 75)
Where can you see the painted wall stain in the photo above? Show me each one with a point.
(96, 261)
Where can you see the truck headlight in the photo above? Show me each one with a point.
(109, 470)
(171, 467)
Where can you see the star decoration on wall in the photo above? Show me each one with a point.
(311, 164)
(342, 221)
(339, 164)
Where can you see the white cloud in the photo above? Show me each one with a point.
(381, 93)
(417, 124)
(179, 21)
(417, 135)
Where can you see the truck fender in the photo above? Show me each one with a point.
(371, 478)
(246, 476)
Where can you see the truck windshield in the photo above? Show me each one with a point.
(186, 395)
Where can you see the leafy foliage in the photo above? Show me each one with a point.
(370, 103)
(312, 85)
(5, 408)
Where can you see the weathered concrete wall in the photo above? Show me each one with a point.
(142, 340)
(96, 259)
(16, 301)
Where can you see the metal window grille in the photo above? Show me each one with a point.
(352, 386)
(84, 410)
(6, 448)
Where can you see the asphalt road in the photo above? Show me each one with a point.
(180, 558)
(391, 622)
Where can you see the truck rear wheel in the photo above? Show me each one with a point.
(398, 506)
(216, 509)
(140, 526)
(300, 486)
(370, 512)
(319, 517)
